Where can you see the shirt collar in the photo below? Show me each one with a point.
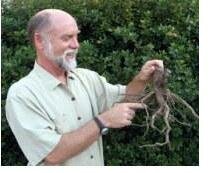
(50, 81)
(70, 75)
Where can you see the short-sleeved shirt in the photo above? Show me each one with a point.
(40, 109)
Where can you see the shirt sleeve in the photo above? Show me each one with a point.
(113, 93)
(107, 94)
(34, 132)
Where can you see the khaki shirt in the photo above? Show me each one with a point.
(39, 109)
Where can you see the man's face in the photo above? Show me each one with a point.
(66, 61)
(61, 44)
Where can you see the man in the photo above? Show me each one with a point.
(58, 112)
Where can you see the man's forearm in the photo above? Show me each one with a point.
(135, 86)
(73, 143)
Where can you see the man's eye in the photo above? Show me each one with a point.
(65, 38)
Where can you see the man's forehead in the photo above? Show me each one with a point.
(64, 25)
(65, 29)
(60, 19)
(61, 32)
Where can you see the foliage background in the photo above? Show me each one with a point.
(117, 37)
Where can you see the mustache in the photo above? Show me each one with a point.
(72, 53)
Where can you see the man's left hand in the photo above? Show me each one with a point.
(148, 69)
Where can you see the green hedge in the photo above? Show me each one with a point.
(117, 37)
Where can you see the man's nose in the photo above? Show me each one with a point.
(74, 44)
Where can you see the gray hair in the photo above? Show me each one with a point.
(38, 23)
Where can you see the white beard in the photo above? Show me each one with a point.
(66, 61)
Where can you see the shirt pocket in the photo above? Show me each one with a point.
(65, 123)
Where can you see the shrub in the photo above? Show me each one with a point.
(117, 37)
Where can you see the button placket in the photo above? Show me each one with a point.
(70, 77)
(69, 88)
(72, 97)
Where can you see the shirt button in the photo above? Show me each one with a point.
(79, 118)
(73, 98)
(91, 156)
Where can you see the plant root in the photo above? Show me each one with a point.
(165, 101)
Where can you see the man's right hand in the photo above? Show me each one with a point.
(120, 115)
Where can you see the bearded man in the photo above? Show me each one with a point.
(58, 112)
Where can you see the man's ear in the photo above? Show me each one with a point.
(38, 41)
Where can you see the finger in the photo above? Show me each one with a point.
(128, 122)
(135, 105)
(152, 68)
(148, 68)
(157, 63)
(130, 115)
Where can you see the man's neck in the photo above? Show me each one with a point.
(53, 69)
